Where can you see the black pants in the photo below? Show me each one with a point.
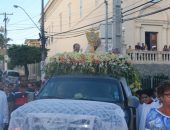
(6, 127)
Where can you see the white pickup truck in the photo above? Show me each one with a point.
(78, 102)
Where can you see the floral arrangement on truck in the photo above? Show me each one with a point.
(94, 64)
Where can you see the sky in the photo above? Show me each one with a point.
(19, 26)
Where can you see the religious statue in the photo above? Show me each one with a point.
(92, 38)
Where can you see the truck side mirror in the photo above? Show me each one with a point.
(133, 101)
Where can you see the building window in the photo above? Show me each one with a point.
(61, 21)
(69, 14)
(51, 38)
(151, 40)
(96, 2)
(48, 41)
(81, 8)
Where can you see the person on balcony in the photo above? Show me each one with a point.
(143, 47)
(138, 46)
(129, 50)
(165, 48)
(169, 48)
(154, 48)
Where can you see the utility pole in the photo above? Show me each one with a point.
(43, 41)
(117, 26)
(5, 36)
(106, 27)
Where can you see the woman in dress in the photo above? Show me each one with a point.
(159, 119)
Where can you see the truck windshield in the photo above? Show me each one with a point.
(14, 74)
(81, 88)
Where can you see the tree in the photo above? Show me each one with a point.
(22, 55)
(2, 40)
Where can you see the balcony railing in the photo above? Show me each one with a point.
(149, 57)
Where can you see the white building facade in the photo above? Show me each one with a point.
(67, 21)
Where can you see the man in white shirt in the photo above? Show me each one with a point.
(148, 103)
(4, 113)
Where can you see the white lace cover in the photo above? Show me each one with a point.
(54, 114)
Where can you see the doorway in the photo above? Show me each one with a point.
(151, 39)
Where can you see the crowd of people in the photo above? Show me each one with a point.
(153, 112)
(12, 97)
(143, 46)
(166, 48)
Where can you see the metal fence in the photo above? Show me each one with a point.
(152, 81)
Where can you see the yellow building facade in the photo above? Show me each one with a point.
(68, 21)
(32, 42)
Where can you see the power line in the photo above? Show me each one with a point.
(132, 4)
(89, 13)
(75, 22)
(17, 6)
(70, 36)
(155, 12)
(23, 29)
(77, 33)
(85, 19)
(19, 24)
(137, 7)
(56, 25)
(78, 28)
(24, 20)
(73, 30)
(142, 8)
(144, 15)
(96, 22)
(26, 36)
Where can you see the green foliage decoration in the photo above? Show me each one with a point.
(94, 63)
(1, 57)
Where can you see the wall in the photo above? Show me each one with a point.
(153, 69)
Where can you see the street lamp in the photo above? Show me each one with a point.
(17, 6)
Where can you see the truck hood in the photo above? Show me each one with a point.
(61, 114)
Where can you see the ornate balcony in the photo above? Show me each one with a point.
(149, 57)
